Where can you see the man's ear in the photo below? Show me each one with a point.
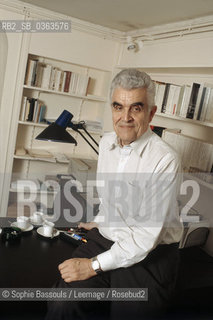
(152, 113)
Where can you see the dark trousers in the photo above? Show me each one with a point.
(157, 272)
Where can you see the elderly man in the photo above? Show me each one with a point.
(133, 241)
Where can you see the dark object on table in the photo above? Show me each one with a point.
(11, 234)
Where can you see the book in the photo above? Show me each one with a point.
(31, 110)
(41, 117)
(192, 100)
(27, 109)
(175, 100)
(61, 81)
(205, 104)
(39, 74)
(45, 83)
(180, 99)
(201, 103)
(171, 105)
(52, 79)
(209, 107)
(57, 80)
(30, 72)
(185, 101)
(67, 81)
(165, 98)
(35, 110)
(159, 96)
(33, 78)
(23, 108)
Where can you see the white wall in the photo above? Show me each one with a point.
(76, 47)
(3, 60)
(8, 101)
(186, 51)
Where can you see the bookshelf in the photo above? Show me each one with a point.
(88, 106)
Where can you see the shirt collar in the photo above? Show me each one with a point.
(137, 145)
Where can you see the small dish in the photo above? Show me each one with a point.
(14, 224)
(41, 233)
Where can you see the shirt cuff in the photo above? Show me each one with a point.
(106, 261)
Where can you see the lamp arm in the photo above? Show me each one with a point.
(90, 136)
(86, 140)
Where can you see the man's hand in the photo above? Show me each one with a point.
(88, 225)
(76, 269)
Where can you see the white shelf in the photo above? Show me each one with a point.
(51, 160)
(88, 97)
(192, 121)
(44, 125)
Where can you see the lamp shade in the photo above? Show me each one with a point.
(56, 131)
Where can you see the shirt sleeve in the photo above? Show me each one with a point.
(157, 213)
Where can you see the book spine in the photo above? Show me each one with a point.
(201, 103)
(209, 108)
(31, 111)
(23, 108)
(42, 113)
(175, 99)
(29, 72)
(165, 98)
(39, 74)
(46, 77)
(159, 96)
(205, 103)
(67, 81)
(193, 100)
(185, 101)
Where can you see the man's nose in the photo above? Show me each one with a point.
(126, 116)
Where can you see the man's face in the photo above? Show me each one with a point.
(130, 114)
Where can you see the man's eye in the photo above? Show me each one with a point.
(136, 108)
(117, 107)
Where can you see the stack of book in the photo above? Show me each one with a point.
(95, 126)
(32, 110)
(194, 152)
(48, 77)
(193, 102)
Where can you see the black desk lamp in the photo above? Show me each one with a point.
(56, 131)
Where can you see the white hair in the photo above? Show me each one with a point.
(130, 78)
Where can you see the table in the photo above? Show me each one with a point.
(31, 263)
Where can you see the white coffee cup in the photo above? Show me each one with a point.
(23, 222)
(48, 228)
(38, 217)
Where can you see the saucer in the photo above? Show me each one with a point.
(41, 232)
(14, 224)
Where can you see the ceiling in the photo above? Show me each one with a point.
(128, 15)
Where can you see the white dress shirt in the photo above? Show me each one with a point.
(138, 207)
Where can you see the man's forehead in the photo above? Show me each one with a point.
(138, 94)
